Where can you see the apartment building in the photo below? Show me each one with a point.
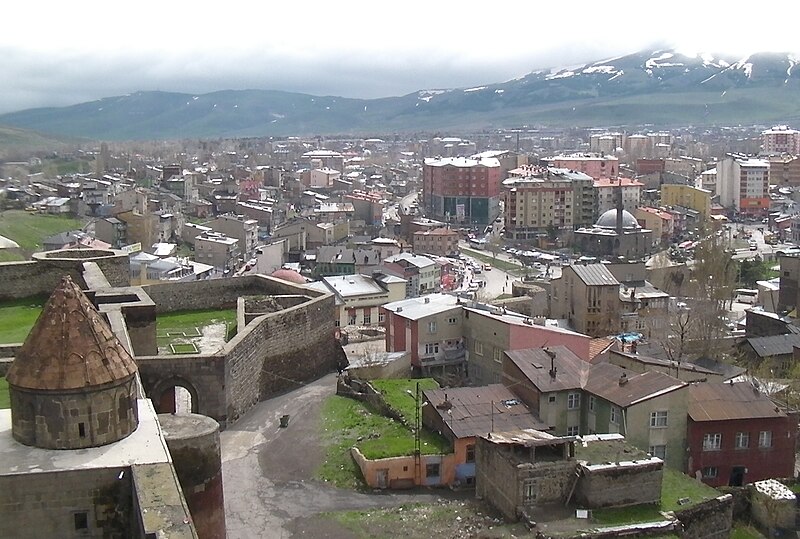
(546, 198)
(588, 297)
(240, 227)
(595, 165)
(422, 274)
(784, 170)
(431, 329)
(359, 298)
(217, 250)
(462, 190)
(688, 196)
(780, 139)
(743, 185)
(657, 220)
(606, 193)
(438, 242)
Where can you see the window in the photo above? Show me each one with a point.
(431, 348)
(432, 470)
(529, 491)
(658, 451)
(367, 318)
(591, 403)
(658, 419)
(81, 521)
(712, 442)
(710, 472)
(573, 401)
(765, 438)
(496, 355)
(381, 318)
(82, 430)
(479, 348)
(572, 431)
(742, 440)
(452, 321)
(432, 326)
(471, 453)
(614, 415)
(551, 398)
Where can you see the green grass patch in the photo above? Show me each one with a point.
(615, 516)
(11, 255)
(396, 394)
(183, 348)
(509, 267)
(189, 320)
(5, 398)
(676, 485)
(743, 531)
(28, 229)
(17, 318)
(346, 420)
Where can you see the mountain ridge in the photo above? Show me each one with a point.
(662, 87)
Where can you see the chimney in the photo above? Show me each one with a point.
(623, 379)
(552, 356)
(399, 309)
(427, 300)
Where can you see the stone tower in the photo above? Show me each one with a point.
(72, 383)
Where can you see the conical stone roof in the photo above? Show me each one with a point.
(70, 347)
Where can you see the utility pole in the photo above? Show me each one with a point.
(417, 440)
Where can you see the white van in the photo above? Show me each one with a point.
(745, 295)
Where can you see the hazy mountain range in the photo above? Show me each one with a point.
(662, 88)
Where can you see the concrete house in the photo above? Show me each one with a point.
(359, 298)
(431, 329)
(587, 296)
(462, 414)
(738, 435)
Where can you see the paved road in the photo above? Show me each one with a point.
(268, 472)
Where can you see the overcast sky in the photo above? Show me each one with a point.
(59, 53)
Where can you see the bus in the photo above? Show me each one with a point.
(745, 295)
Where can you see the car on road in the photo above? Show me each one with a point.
(753, 244)
(487, 267)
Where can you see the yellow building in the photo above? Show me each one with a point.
(687, 196)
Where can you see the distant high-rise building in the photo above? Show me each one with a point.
(462, 190)
(780, 139)
(743, 185)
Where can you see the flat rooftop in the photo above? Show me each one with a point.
(145, 445)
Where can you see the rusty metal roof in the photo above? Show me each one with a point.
(71, 346)
(571, 372)
(594, 274)
(624, 388)
(724, 401)
(474, 411)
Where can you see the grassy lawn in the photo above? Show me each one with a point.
(346, 420)
(395, 393)
(11, 255)
(742, 531)
(509, 267)
(184, 332)
(615, 516)
(676, 485)
(444, 519)
(17, 318)
(5, 399)
(28, 229)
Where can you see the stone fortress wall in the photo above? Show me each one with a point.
(273, 353)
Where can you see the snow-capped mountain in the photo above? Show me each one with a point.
(663, 87)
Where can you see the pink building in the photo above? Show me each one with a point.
(595, 165)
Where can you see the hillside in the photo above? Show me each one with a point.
(650, 87)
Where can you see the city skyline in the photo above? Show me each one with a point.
(70, 55)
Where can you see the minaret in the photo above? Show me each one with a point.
(618, 201)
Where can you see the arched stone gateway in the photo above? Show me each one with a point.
(175, 395)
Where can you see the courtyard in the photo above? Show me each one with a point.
(194, 332)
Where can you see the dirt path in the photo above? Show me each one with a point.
(268, 472)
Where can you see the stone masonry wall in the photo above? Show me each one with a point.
(617, 486)
(711, 519)
(38, 277)
(33, 507)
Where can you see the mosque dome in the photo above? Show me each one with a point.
(289, 275)
(609, 220)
